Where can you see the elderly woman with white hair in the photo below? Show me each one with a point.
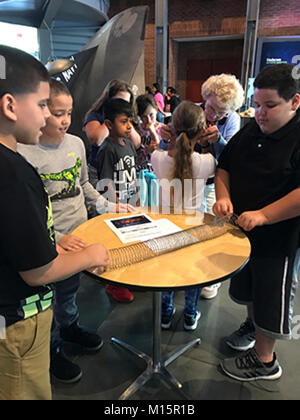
(223, 95)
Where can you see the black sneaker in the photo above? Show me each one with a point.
(79, 335)
(191, 322)
(166, 320)
(244, 338)
(248, 367)
(63, 369)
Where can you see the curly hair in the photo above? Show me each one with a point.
(227, 89)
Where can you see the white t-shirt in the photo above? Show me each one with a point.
(203, 166)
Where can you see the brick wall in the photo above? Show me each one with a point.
(206, 17)
(199, 18)
(279, 18)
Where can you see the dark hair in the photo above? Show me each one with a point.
(157, 87)
(23, 72)
(111, 90)
(148, 90)
(142, 103)
(58, 88)
(117, 106)
(279, 77)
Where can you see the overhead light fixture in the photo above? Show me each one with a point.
(59, 66)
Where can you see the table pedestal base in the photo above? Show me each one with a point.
(155, 365)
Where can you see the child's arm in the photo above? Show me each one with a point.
(66, 265)
(287, 207)
(72, 243)
(154, 138)
(96, 132)
(135, 138)
(91, 195)
(155, 132)
(223, 206)
(111, 192)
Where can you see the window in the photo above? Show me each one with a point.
(18, 36)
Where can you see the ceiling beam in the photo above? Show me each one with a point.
(50, 13)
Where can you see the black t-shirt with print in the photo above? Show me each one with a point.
(118, 163)
(27, 237)
(264, 168)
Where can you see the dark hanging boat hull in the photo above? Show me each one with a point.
(115, 52)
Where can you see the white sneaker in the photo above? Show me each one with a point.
(210, 292)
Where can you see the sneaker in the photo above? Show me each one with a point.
(244, 338)
(249, 367)
(63, 369)
(80, 335)
(210, 292)
(166, 320)
(120, 294)
(191, 322)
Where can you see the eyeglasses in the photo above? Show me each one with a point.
(219, 114)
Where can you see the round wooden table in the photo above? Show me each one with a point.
(198, 265)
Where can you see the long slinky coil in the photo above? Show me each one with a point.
(135, 253)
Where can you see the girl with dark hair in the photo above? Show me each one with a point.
(159, 99)
(149, 130)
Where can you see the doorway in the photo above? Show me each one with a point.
(201, 59)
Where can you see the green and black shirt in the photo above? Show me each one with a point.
(26, 237)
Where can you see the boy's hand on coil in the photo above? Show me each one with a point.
(250, 219)
(98, 255)
(223, 207)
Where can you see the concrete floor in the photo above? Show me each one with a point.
(109, 372)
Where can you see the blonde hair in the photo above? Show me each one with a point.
(227, 89)
(188, 120)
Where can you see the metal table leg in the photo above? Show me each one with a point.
(155, 365)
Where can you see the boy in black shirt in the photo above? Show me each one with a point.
(116, 167)
(29, 259)
(258, 178)
(116, 156)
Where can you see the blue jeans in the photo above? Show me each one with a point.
(65, 309)
(160, 117)
(190, 304)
